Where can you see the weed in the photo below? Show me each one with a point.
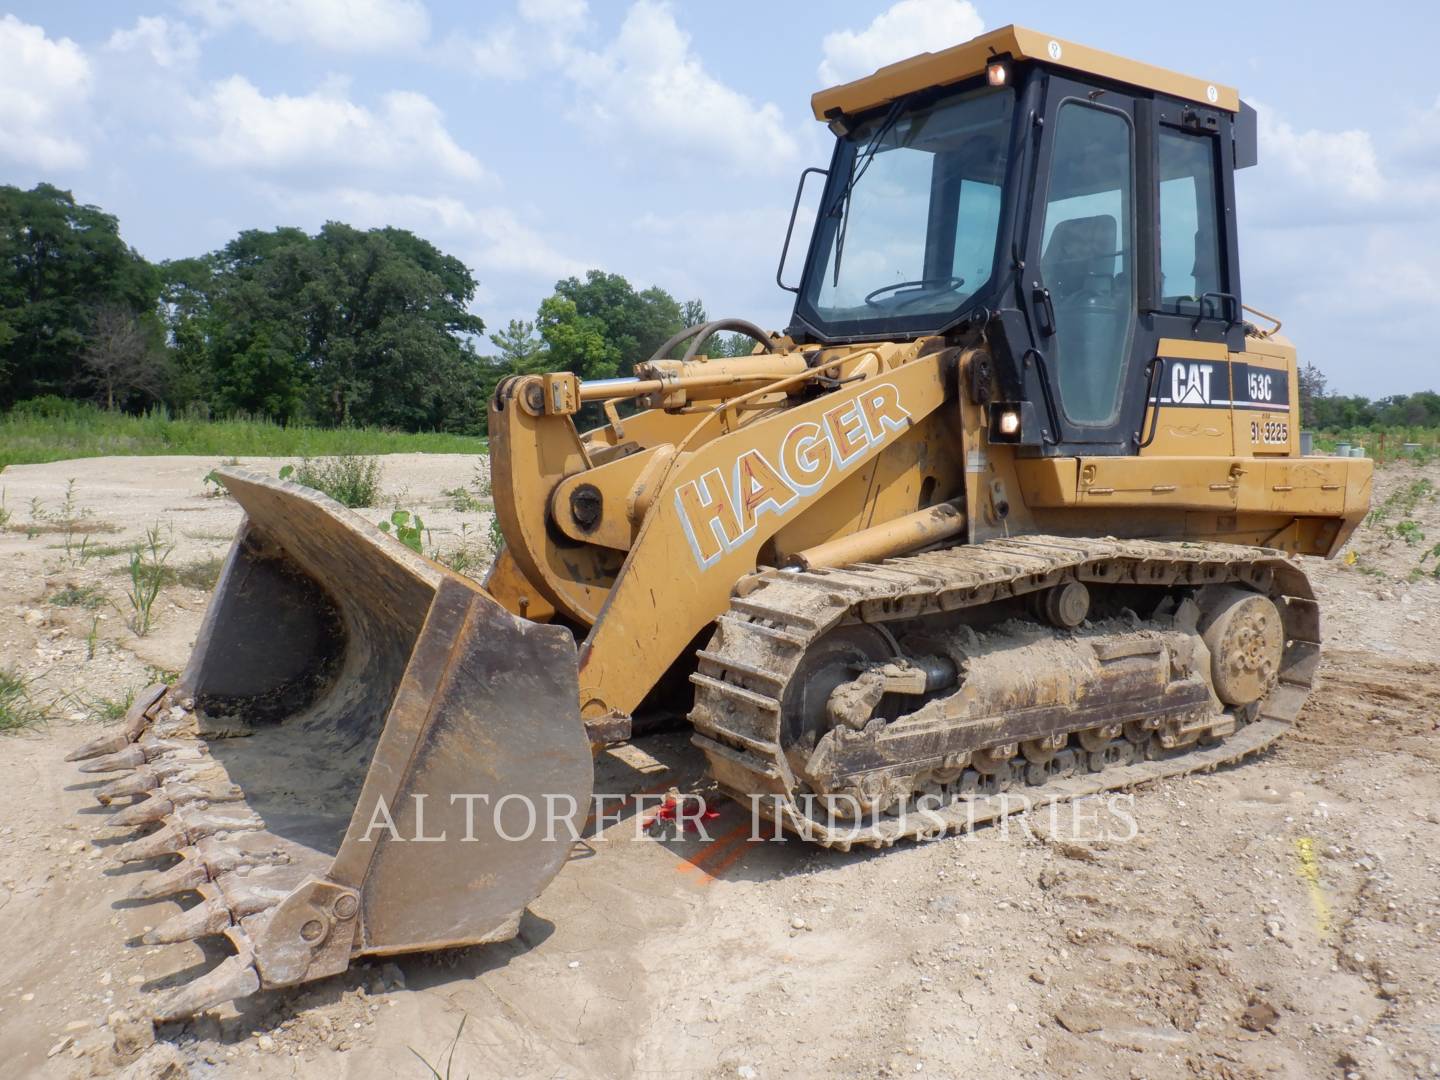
(497, 535)
(214, 487)
(470, 559)
(92, 638)
(108, 551)
(1433, 553)
(1410, 532)
(159, 674)
(352, 480)
(1401, 501)
(17, 708)
(200, 574)
(4, 510)
(85, 596)
(449, 1053)
(100, 709)
(409, 529)
(147, 575)
(462, 501)
(70, 508)
(480, 481)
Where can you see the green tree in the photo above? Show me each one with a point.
(601, 327)
(61, 262)
(346, 326)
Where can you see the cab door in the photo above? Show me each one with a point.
(1081, 286)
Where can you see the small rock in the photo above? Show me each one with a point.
(797, 923)
(1259, 1015)
(573, 964)
(1077, 1021)
(130, 1033)
(747, 1072)
(67, 1041)
(34, 617)
(265, 1042)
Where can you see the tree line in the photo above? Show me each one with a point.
(1323, 411)
(343, 326)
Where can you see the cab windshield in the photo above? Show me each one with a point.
(908, 230)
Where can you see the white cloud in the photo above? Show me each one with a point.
(170, 45)
(645, 90)
(1342, 163)
(1325, 215)
(42, 81)
(649, 83)
(325, 129)
(516, 48)
(900, 31)
(357, 26)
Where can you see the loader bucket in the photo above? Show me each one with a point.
(366, 754)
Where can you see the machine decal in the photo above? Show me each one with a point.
(1222, 384)
(720, 514)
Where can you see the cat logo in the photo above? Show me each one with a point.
(720, 512)
(1190, 383)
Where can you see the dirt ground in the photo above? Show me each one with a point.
(1280, 918)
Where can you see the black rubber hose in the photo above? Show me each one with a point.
(703, 332)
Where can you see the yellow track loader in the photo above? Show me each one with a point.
(1008, 509)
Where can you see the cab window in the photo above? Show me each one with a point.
(1191, 262)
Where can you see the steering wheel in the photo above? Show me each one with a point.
(922, 288)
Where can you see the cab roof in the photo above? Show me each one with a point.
(969, 59)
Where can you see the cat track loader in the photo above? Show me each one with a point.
(1009, 509)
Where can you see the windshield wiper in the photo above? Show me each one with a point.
(857, 170)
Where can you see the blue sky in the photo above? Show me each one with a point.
(537, 138)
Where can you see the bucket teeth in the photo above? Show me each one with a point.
(234, 978)
(207, 822)
(172, 796)
(182, 792)
(244, 850)
(142, 813)
(109, 743)
(186, 825)
(139, 782)
(176, 766)
(166, 841)
(129, 758)
(187, 874)
(205, 918)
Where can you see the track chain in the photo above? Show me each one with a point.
(744, 671)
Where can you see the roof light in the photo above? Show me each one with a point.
(997, 74)
(1009, 422)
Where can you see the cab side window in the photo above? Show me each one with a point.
(1191, 258)
(1087, 258)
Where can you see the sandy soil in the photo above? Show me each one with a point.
(1277, 919)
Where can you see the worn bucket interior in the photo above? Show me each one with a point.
(336, 669)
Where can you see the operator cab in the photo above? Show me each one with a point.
(1074, 207)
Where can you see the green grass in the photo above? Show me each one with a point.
(27, 438)
(17, 709)
(86, 596)
(200, 574)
